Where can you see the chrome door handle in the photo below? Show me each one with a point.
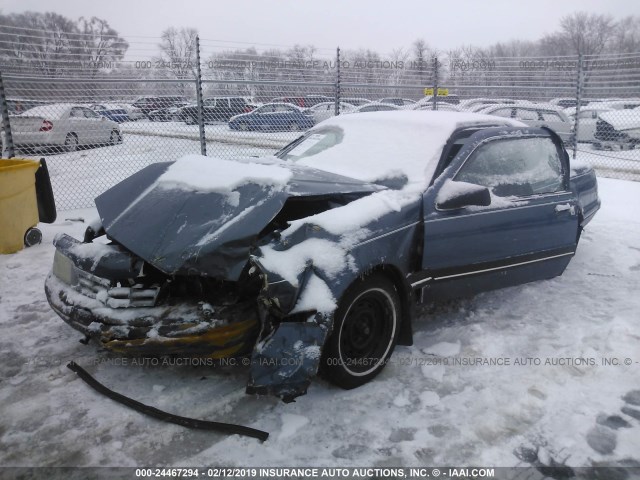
(566, 207)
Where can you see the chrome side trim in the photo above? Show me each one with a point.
(420, 282)
(491, 211)
(504, 266)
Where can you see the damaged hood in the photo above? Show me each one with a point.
(188, 231)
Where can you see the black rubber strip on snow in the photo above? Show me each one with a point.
(165, 416)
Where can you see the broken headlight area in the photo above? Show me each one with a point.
(287, 354)
(107, 293)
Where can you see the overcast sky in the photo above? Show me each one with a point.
(379, 25)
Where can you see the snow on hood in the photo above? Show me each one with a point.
(198, 173)
(384, 145)
(202, 215)
(622, 119)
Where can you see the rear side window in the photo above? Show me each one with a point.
(551, 117)
(515, 167)
(524, 114)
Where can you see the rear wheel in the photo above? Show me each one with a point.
(365, 332)
(115, 137)
(294, 127)
(71, 142)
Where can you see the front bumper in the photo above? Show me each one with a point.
(81, 289)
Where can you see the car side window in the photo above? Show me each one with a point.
(90, 113)
(515, 167)
(76, 113)
(551, 117)
(502, 112)
(524, 114)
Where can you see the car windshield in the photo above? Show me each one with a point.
(311, 144)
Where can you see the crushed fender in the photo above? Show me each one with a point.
(166, 416)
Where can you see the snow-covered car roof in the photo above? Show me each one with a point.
(385, 145)
(571, 111)
(622, 119)
(525, 104)
(109, 106)
(54, 111)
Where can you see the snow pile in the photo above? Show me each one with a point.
(209, 174)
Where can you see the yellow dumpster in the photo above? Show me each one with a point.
(18, 204)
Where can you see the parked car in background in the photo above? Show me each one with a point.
(629, 104)
(273, 117)
(400, 102)
(324, 110)
(167, 114)
(303, 101)
(375, 107)
(115, 113)
(535, 115)
(63, 126)
(215, 109)
(588, 117)
(567, 102)
(356, 101)
(16, 106)
(440, 106)
(618, 130)
(428, 100)
(477, 104)
(314, 262)
(148, 104)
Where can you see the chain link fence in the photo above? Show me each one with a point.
(97, 124)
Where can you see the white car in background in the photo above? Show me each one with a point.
(63, 126)
(440, 106)
(588, 117)
(324, 110)
(375, 107)
(535, 115)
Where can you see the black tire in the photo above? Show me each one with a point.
(365, 332)
(71, 142)
(114, 138)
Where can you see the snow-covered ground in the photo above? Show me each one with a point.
(428, 407)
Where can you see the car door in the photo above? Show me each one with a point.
(99, 127)
(528, 232)
(555, 122)
(78, 125)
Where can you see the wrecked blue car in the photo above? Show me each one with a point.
(312, 261)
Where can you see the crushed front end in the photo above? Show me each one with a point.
(107, 293)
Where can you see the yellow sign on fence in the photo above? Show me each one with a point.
(442, 92)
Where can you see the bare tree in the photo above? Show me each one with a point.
(626, 36)
(99, 45)
(178, 51)
(580, 33)
(38, 42)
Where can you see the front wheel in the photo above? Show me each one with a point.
(365, 332)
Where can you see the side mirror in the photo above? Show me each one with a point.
(455, 195)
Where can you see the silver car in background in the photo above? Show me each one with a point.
(63, 126)
(535, 115)
(324, 110)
